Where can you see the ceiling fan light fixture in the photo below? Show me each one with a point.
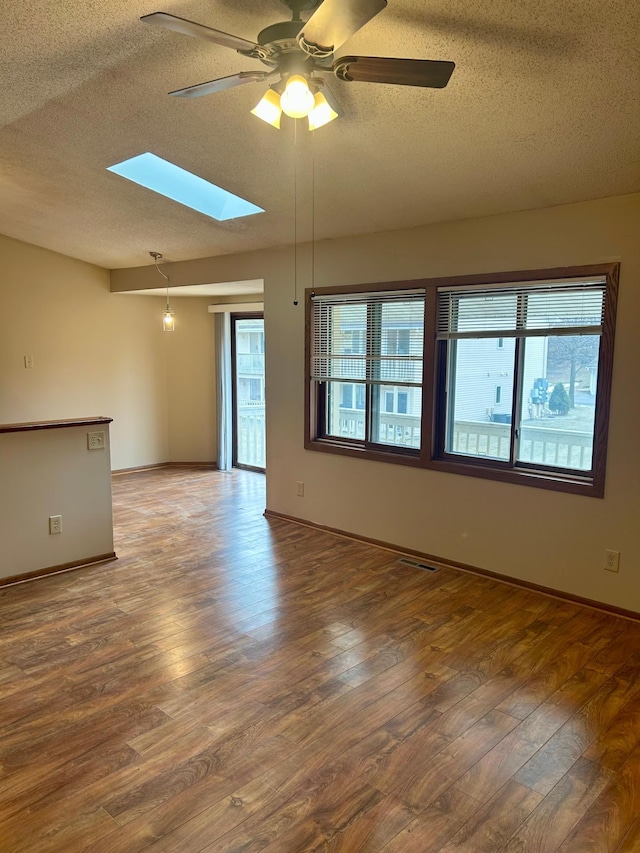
(269, 109)
(297, 100)
(322, 112)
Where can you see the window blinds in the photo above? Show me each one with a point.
(521, 310)
(368, 338)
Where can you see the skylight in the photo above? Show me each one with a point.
(175, 183)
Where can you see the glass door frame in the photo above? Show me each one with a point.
(234, 317)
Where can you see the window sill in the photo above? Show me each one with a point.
(398, 457)
(541, 479)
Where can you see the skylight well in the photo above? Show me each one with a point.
(169, 180)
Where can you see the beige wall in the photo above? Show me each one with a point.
(549, 538)
(554, 539)
(52, 472)
(98, 353)
(190, 360)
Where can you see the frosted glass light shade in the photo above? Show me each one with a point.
(297, 100)
(269, 109)
(322, 112)
(168, 321)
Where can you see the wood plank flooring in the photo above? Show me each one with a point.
(238, 684)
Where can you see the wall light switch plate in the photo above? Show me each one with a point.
(28, 362)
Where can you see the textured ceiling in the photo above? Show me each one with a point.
(542, 109)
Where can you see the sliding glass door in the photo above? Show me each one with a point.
(247, 349)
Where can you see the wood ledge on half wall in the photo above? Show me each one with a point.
(58, 424)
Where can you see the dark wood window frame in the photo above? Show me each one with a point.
(431, 454)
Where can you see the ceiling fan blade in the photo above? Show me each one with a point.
(334, 22)
(220, 84)
(430, 73)
(189, 28)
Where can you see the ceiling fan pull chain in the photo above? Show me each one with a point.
(295, 211)
(313, 210)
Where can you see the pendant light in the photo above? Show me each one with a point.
(168, 317)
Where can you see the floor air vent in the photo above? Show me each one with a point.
(416, 564)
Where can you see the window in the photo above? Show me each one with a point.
(255, 389)
(249, 348)
(346, 396)
(396, 341)
(504, 376)
(374, 342)
(548, 422)
(354, 342)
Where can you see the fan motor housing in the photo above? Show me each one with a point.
(283, 32)
(298, 6)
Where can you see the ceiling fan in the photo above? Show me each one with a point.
(297, 52)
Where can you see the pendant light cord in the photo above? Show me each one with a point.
(295, 211)
(156, 257)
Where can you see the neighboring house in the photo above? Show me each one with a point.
(398, 406)
(484, 377)
(250, 363)
(482, 371)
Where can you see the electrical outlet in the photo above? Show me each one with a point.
(95, 440)
(300, 489)
(55, 524)
(612, 561)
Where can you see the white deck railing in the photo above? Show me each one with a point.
(251, 434)
(395, 429)
(538, 444)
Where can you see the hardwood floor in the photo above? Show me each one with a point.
(238, 684)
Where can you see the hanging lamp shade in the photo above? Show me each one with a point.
(168, 320)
